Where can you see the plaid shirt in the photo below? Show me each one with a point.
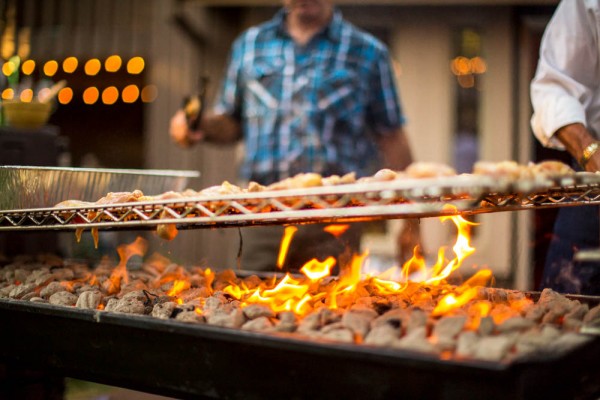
(313, 108)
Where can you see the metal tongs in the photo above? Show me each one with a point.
(194, 105)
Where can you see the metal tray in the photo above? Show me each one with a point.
(201, 361)
(410, 198)
(25, 187)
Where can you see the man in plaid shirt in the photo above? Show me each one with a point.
(307, 92)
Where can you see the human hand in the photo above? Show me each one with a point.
(409, 241)
(582, 145)
(180, 131)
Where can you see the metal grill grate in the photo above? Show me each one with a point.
(467, 194)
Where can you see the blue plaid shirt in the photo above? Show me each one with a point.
(313, 108)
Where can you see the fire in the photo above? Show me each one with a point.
(314, 287)
(302, 294)
(178, 287)
(462, 248)
(453, 301)
(315, 270)
(285, 244)
(119, 274)
(336, 230)
(476, 311)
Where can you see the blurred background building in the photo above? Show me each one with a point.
(463, 68)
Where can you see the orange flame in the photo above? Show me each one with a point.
(209, 277)
(464, 293)
(288, 234)
(452, 301)
(119, 274)
(178, 287)
(462, 248)
(416, 269)
(476, 311)
(349, 279)
(336, 230)
(303, 294)
(315, 270)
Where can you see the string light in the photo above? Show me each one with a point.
(135, 65)
(90, 95)
(110, 95)
(113, 63)
(28, 67)
(8, 94)
(70, 64)
(50, 68)
(26, 96)
(92, 67)
(130, 94)
(8, 68)
(149, 93)
(65, 95)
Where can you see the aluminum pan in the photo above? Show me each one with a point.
(32, 187)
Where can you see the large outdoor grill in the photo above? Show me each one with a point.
(202, 361)
(176, 359)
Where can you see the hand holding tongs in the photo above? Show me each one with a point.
(194, 105)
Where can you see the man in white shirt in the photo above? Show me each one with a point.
(566, 101)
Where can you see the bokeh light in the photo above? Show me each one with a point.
(135, 65)
(70, 64)
(130, 94)
(8, 94)
(43, 93)
(65, 95)
(460, 66)
(113, 63)
(149, 93)
(478, 65)
(28, 67)
(50, 68)
(90, 95)
(26, 96)
(466, 81)
(8, 68)
(92, 67)
(110, 95)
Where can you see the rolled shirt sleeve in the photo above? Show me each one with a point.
(564, 88)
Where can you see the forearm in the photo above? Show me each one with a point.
(396, 150)
(576, 138)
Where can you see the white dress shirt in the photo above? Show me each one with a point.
(565, 89)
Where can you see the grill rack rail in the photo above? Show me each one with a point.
(409, 198)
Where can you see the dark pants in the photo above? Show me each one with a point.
(576, 228)
(260, 247)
